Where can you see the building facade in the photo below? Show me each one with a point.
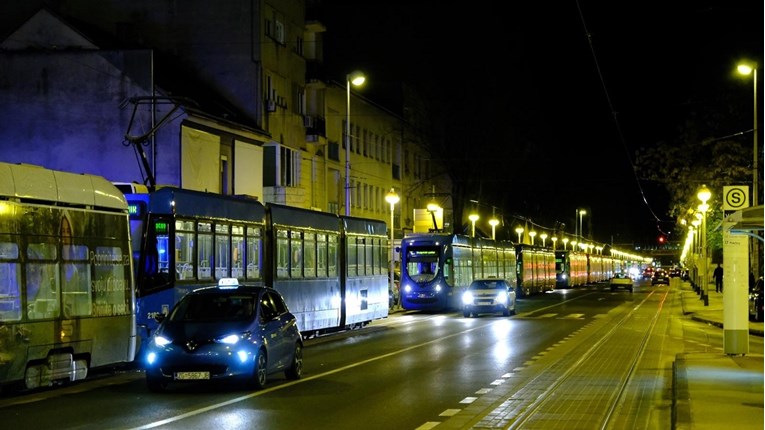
(220, 97)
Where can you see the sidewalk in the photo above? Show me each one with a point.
(715, 390)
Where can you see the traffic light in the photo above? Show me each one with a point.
(661, 239)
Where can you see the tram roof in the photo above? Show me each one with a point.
(32, 182)
(192, 203)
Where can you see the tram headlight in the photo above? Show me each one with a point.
(467, 298)
(438, 288)
(408, 288)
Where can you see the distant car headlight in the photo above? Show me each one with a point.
(161, 341)
(467, 298)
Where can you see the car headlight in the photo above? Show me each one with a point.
(161, 341)
(231, 339)
(501, 298)
(467, 298)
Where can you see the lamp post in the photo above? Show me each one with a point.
(356, 78)
(493, 223)
(704, 194)
(473, 218)
(433, 209)
(746, 69)
(696, 251)
(543, 236)
(532, 233)
(391, 198)
(565, 241)
(554, 239)
(582, 212)
(519, 230)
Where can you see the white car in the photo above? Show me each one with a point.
(489, 295)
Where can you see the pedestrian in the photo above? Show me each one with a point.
(718, 275)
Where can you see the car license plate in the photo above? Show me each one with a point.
(189, 376)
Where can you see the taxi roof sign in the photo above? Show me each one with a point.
(228, 283)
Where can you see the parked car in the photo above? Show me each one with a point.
(660, 276)
(489, 295)
(621, 280)
(756, 302)
(222, 332)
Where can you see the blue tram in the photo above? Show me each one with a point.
(437, 268)
(332, 270)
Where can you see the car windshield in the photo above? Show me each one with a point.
(488, 285)
(207, 307)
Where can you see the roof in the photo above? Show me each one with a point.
(747, 221)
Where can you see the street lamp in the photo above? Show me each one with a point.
(543, 236)
(703, 195)
(747, 70)
(473, 218)
(532, 233)
(554, 239)
(391, 198)
(565, 241)
(493, 223)
(356, 78)
(581, 226)
(433, 209)
(519, 230)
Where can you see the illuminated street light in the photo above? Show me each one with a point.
(565, 241)
(543, 236)
(519, 230)
(554, 239)
(356, 78)
(391, 198)
(532, 233)
(473, 218)
(493, 223)
(582, 212)
(747, 69)
(433, 208)
(703, 195)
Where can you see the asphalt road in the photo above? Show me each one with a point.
(409, 371)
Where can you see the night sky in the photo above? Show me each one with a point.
(557, 96)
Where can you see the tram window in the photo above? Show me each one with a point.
(204, 250)
(309, 254)
(368, 255)
(253, 257)
(42, 281)
(282, 254)
(184, 249)
(237, 251)
(222, 251)
(332, 255)
(321, 255)
(352, 249)
(75, 281)
(10, 280)
(111, 285)
(296, 250)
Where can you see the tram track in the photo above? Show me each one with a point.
(586, 381)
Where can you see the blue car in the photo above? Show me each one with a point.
(225, 332)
